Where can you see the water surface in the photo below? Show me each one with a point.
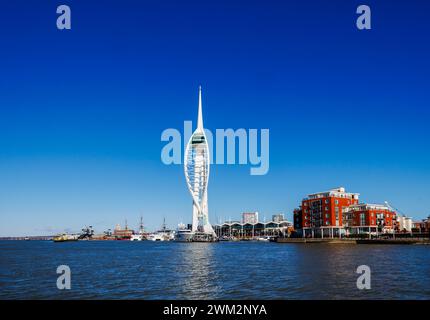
(233, 270)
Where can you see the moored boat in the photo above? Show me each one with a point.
(265, 238)
(137, 237)
(160, 236)
(65, 237)
(183, 234)
(204, 237)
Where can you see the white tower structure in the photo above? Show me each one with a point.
(196, 168)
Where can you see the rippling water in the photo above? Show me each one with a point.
(233, 270)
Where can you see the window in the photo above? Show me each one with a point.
(362, 219)
(336, 201)
(326, 201)
(326, 208)
(327, 223)
(327, 215)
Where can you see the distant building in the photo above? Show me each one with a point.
(418, 226)
(422, 226)
(404, 224)
(252, 230)
(278, 217)
(250, 217)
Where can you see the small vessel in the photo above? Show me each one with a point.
(227, 238)
(162, 235)
(65, 237)
(183, 234)
(157, 236)
(204, 237)
(137, 237)
(265, 238)
(141, 235)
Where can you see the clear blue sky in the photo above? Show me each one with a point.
(82, 111)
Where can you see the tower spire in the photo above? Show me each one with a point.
(196, 169)
(200, 115)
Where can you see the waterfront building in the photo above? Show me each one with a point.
(250, 217)
(278, 217)
(196, 169)
(322, 212)
(371, 218)
(422, 226)
(418, 226)
(404, 224)
(298, 218)
(248, 231)
(336, 213)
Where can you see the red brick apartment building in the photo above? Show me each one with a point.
(365, 217)
(336, 212)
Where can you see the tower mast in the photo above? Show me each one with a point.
(196, 169)
(200, 112)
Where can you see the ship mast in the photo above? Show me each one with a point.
(164, 224)
(141, 225)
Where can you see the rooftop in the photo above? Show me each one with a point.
(369, 206)
(336, 192)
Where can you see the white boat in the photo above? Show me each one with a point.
(227, 238)
(66, 237)
(160, 236)
(266, 238)
(136, 237)
(184, 235)
(140, 236)
(204, 237)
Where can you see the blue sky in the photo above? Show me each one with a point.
(82, 111)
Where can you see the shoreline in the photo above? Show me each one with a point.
(354, 241)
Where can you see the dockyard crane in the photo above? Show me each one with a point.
(87, 233)
(393, 208)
